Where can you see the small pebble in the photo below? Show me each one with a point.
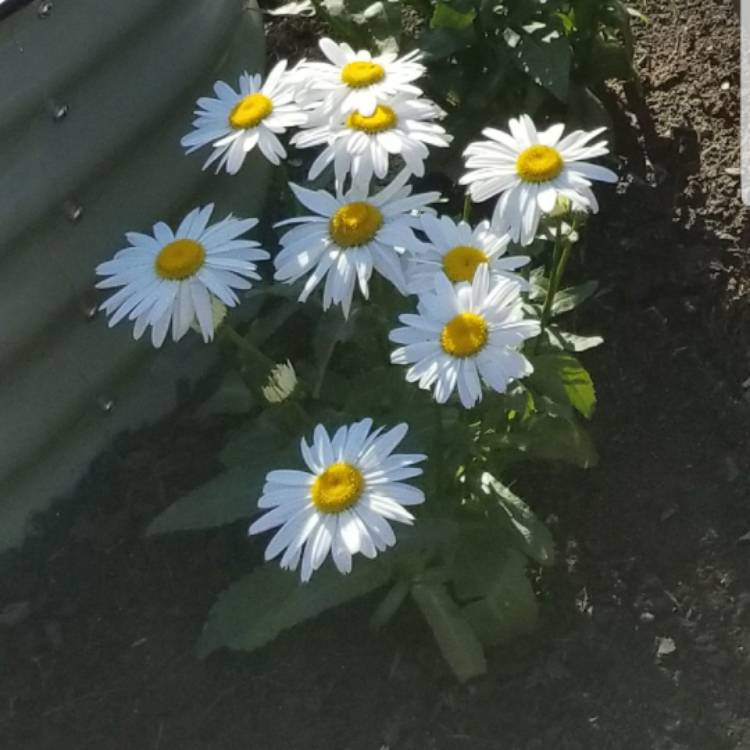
(665, 647)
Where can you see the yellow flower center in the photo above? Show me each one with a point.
(460, 263)
(362, 73)
(355, 224)
(465, 335)
(337, 488)
(248, 112)
(179, 259)
(539, 164)
(383, 118)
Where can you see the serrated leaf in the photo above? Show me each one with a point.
(250, 454)
(562, 377)
(477, 561)
(261, 437)
(547, 61)
(569, 298)
(554, 439)
(332, 329)
(255, 609)
(445, 16)
(438, 44)
(572, 341)
(390, 604)
(232, 396)
(455, 637)
(534, 537)
(509, 609)
(224, 499)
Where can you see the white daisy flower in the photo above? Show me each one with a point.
(457, 250)
(356, 81)
(350, 235)
(171, 277)
(234, 123)
(530, 169)
(465, 333)
(342, 505)
(361, 145)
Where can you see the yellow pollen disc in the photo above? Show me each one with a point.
(539, 164)
(460, 263)
(337, 488)
(179, 259)
(362, 73)
(355, 224)
(465, 335)
(248, 112)
(383, 118)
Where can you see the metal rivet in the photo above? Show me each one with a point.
(87, 305)
(59, 110)
(105, 404)
(44, 10)
(73, 210)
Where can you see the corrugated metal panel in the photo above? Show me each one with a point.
(94, 96)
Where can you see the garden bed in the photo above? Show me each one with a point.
(645, 638)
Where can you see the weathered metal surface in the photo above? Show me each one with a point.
(94, 97)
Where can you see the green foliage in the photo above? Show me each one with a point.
(531, 537)
(490, 59)
(255, 609)
(552, 438)
(250, 453)
(562, 378)
(464, 565)
(509, 608)
(570, 298)
(457, 640)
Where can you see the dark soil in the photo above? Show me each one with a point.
(645, 642)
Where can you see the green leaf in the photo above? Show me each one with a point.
(332, 329)
(534, 538)
(510, 608)
(390, 604)
(478, 559)
(255, 609)
(455, 637)
(444, 16)
(232, 495)
(266, 325)
(224, 499)
(572, 341)
(554, 439)
(610, 60)
(562, 377)
(546, 60)
(569, 298)
(231, 397)
(441, 43)
(256, 440)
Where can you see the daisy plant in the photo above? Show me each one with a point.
(422, 350)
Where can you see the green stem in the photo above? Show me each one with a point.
(436, 455)
(249, 351)
(560, 258)
(467, 207)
